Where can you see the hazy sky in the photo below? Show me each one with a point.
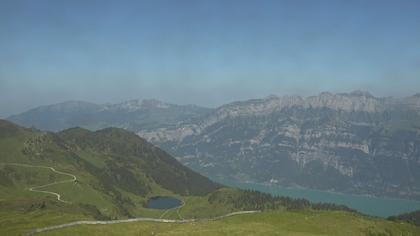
(204, 52)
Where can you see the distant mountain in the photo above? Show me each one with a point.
(348, 142)
(134, 115)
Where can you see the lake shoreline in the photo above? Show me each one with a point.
(366, 204)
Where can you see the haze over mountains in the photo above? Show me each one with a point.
(134, 115)
(346, 142)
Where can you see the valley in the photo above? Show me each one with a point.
(107, 177)
(350, 143)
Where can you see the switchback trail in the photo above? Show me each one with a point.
(34, 188)
(97, 222)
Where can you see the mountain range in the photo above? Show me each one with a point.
(51, 178)
(107, 177)
(133, 115)
(345, 142)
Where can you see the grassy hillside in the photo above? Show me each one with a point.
(126, 154)
(300, 223)
(117, 172)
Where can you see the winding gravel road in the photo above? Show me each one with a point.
(34, 188)
(97, 222)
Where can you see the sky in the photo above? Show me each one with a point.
(204, 52)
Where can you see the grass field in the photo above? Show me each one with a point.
(36, 210)
(24, 216)
(267, 223)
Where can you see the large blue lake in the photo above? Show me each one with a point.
(375, 206)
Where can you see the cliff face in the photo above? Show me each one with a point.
(352, 142)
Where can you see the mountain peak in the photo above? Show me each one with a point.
(361, 93)
(323, 94)
(136, 104)
(71, 105)
(417, 95)
(271, 97)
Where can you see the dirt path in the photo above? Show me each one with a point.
(74, 178)
(96, 222)
(34, 188)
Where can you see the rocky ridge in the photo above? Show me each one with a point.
(351, 142)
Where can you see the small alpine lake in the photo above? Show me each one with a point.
(163, 202)
(375, 206)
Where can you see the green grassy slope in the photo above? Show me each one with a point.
(267, 223)
(117, 172)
